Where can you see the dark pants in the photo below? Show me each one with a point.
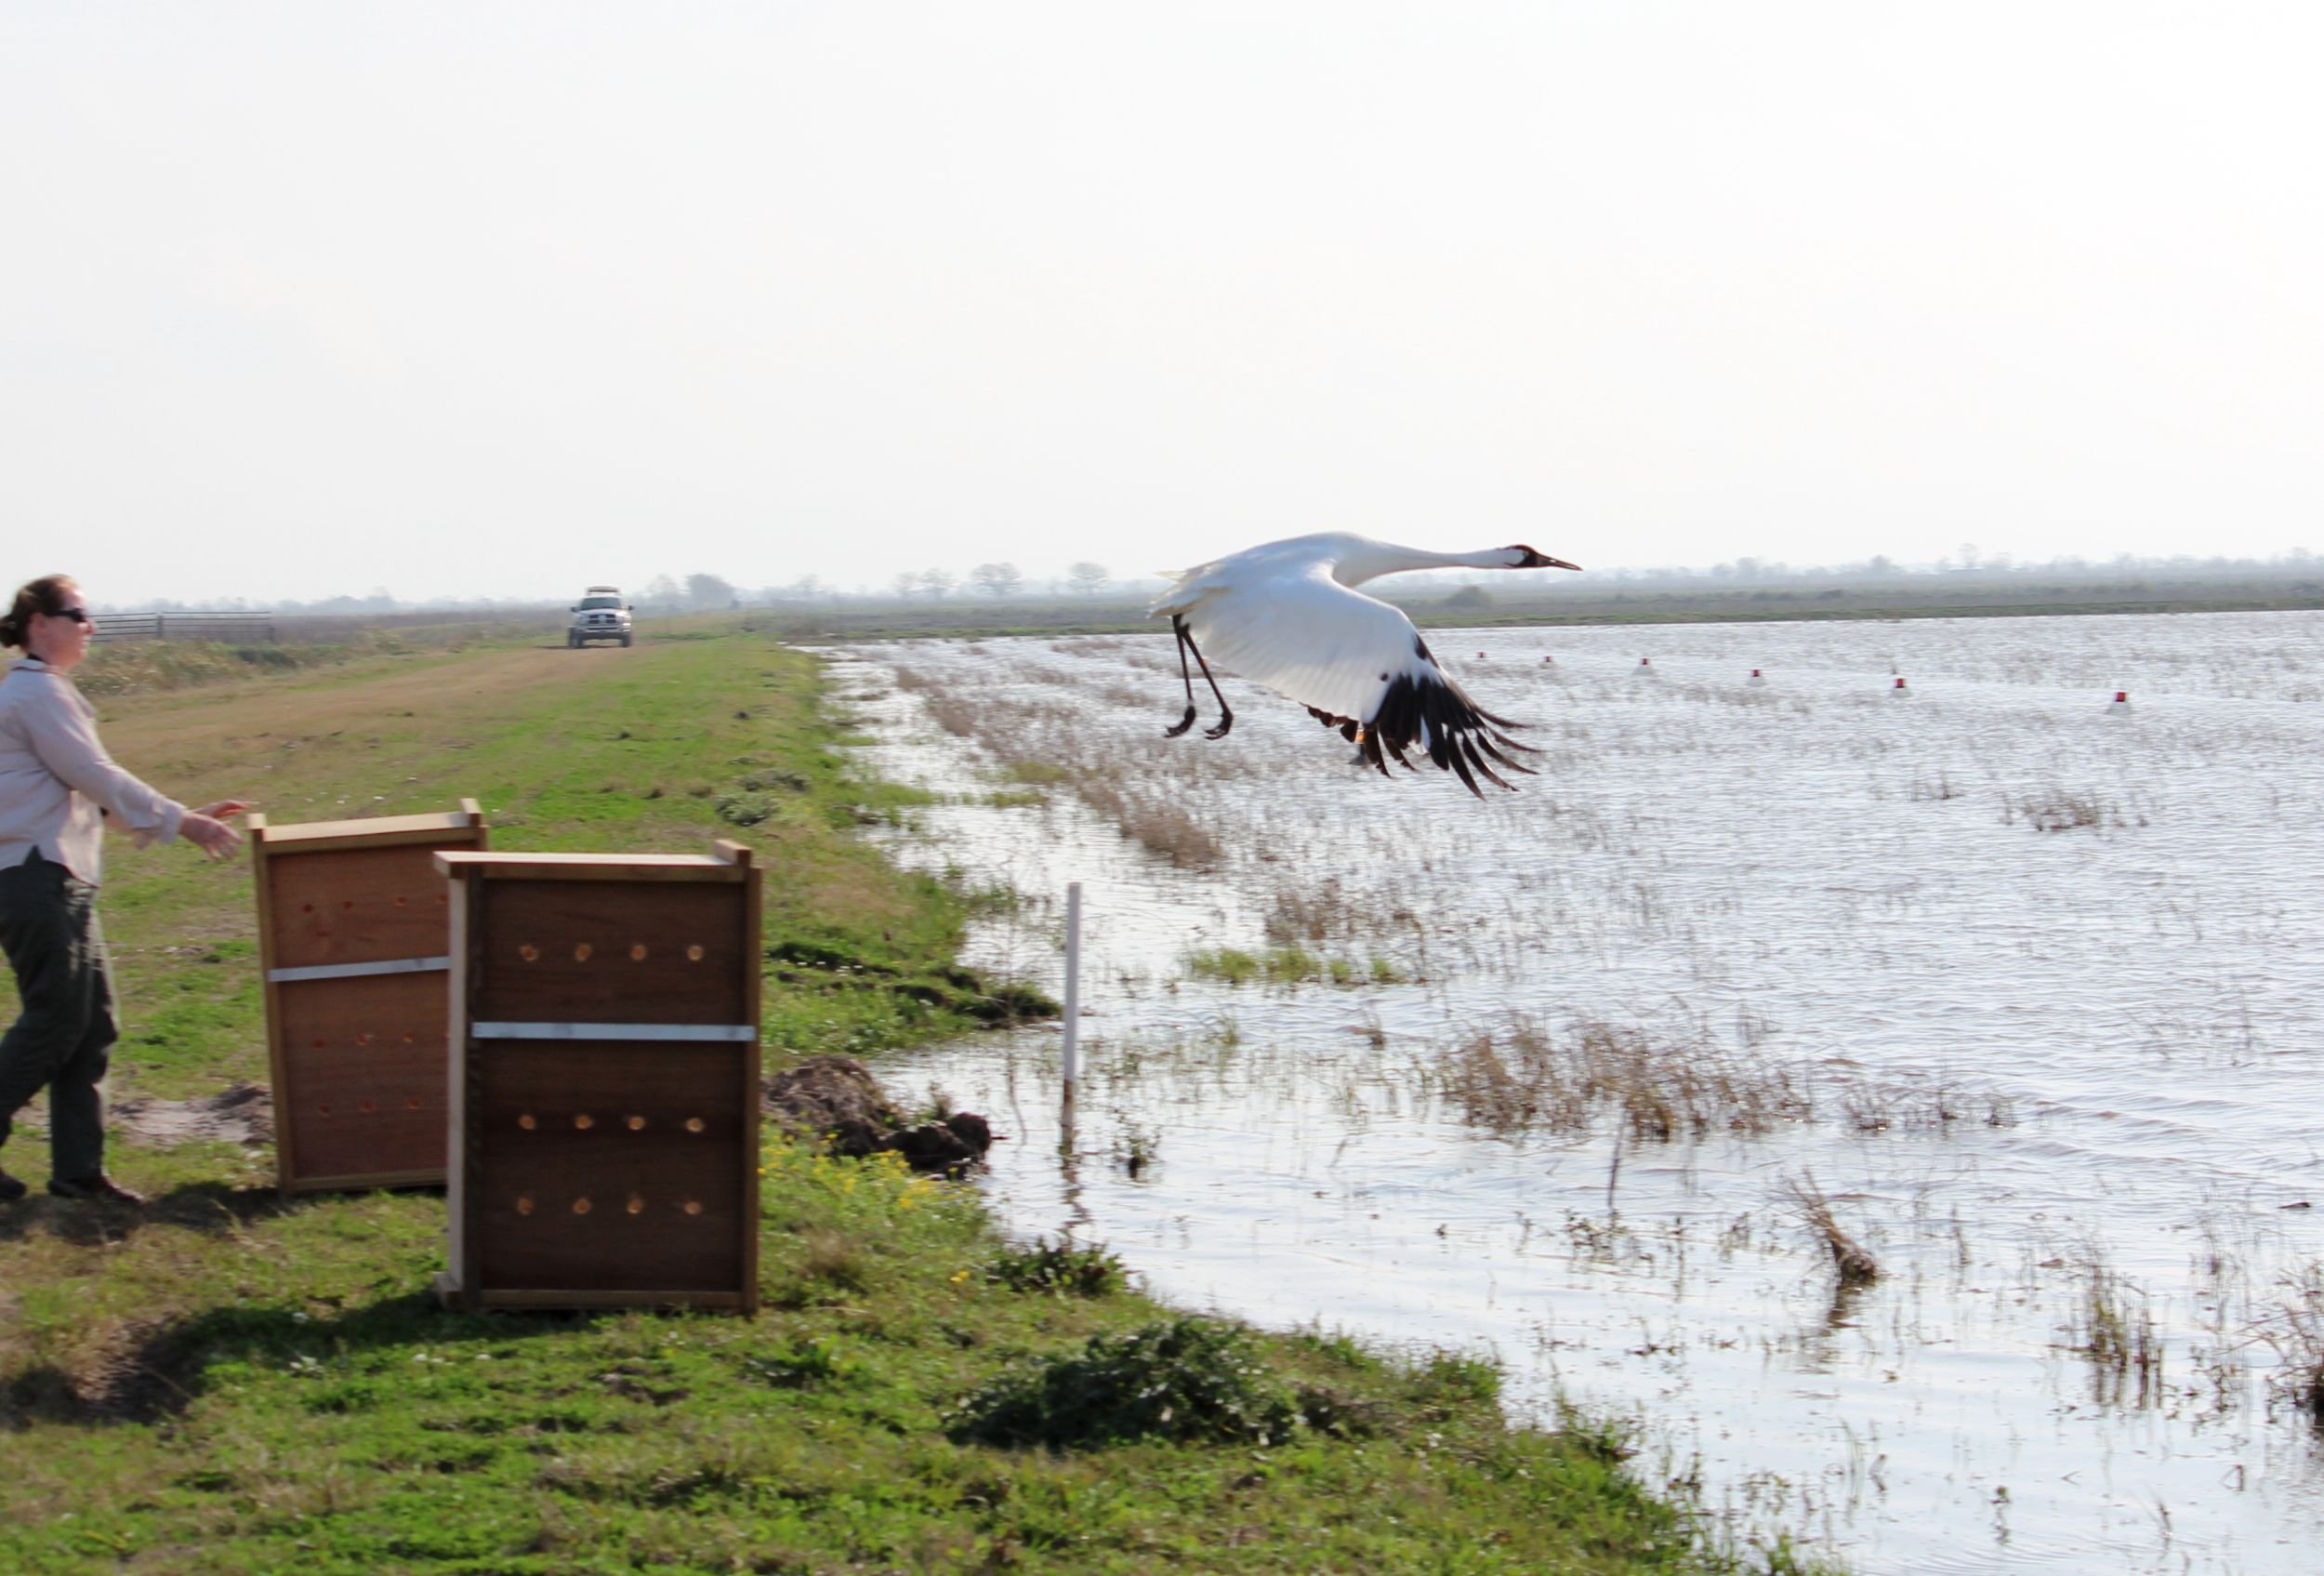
(63, 1037)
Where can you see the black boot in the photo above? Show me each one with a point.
(100, 1186)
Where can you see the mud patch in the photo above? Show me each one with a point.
(835, 1101)
(243, 1113)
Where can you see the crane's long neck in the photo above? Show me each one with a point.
(1375, 559)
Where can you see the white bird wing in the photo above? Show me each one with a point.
(1357, 664)
(1308, 637)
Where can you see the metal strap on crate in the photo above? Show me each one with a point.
(729, 1034)
(356, 970)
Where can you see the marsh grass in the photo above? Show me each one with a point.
(2113, 1329)
(1524, 1078)
(1149, 816)
(1289, 966)
(1034, 742)
(2291, 1326)
(1137, 1146)
(2056, 809)
(1865, 1106)
(1325, 912)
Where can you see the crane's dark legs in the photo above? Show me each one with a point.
(1226, 712)
(1178, 627)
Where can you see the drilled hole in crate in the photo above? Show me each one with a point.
(693, 1124)
(400, 902)
(306, 907)
(635, 1205)
(636, 1124)
(581, 953)
(585, 1122)
(350, 903)
(443, 897)
(363, 1039)
(693, 953)
(527, 1122)
(366, 1106)
(636, 952)
(408, 1038)
(581, 1206)
(529, 952)
(324, 1109)
(692, 1206)
(524, 1203)
(411, 1103)
(318, 1044)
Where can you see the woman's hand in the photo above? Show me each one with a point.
(207, 830)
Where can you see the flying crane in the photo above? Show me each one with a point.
(1287, 615)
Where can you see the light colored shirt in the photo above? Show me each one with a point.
(57, 782)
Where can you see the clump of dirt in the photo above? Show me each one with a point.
(836, 1100)
(243, 1113)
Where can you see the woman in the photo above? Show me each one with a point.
(56, 782)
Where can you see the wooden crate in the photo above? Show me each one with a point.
(604, 1080)
(354, 942)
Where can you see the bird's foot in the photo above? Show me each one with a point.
(1226, 726)
(1184, 723)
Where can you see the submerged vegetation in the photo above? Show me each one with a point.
(1524, 1077)
(1289, 965)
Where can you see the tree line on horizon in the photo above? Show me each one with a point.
(1001, 581)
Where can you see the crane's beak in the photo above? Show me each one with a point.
(1542, 560)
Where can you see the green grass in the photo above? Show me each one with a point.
(233, 1386)
(226, 1382)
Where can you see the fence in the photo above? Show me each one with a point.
(239, 629)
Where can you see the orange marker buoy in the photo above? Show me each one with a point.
(1480, 656)
(1899, 689)
(1756, 678)
(1548, 661)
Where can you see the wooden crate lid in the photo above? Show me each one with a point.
(369, 832)
(730, 862)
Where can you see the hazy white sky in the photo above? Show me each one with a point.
(494, 299)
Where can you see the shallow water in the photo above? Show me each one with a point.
(2095, 1047)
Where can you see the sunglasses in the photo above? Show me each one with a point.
(78, 614)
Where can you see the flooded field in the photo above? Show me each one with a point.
(2009, 991)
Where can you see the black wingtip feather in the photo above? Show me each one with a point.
(1426, 713)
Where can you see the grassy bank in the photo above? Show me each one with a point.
(303, 1408)
(224, 1382)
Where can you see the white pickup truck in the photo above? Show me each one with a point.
(601, 615)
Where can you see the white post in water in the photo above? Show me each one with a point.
(1073, 987)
